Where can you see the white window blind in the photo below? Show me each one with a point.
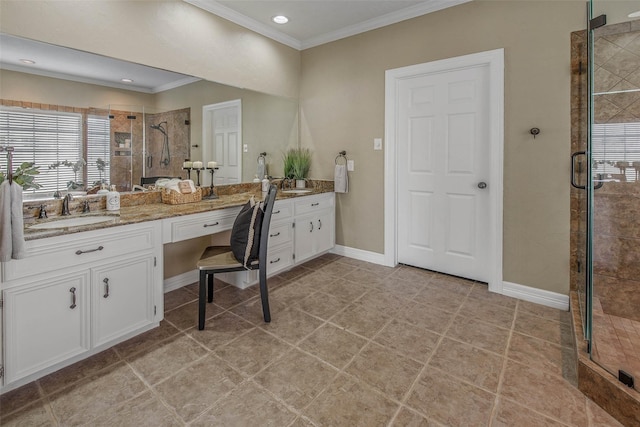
(616, 150)
(98, 137)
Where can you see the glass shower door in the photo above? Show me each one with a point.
(613, 195)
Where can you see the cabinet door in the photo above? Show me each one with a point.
(304, 237)
(122, 298)
(324, 235)
(46, 323)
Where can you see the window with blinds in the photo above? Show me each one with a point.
(47, 138)
(616, 150)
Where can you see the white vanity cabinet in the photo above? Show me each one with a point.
(77, 294)
(280, 253)
(314, 226)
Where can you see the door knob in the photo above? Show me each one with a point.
(482, 185)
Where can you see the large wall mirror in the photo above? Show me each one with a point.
(127, 131)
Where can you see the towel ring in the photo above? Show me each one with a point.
(342, 154)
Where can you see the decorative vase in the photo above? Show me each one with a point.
(300, 183)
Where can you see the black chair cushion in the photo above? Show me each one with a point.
(245, 234)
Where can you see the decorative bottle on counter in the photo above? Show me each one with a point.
(113, 199)
(265, 184)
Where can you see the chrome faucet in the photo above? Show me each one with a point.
(286, 183)
(65, 204)
(85, 207)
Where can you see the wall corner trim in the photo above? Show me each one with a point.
(360, 254)
(535, 295)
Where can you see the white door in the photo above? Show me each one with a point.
(222, 142)
(443, 163)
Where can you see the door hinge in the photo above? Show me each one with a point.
(293, 225)
(1, 371)
(1, 303)
(155, 262)
(155, 310)
(294, 257)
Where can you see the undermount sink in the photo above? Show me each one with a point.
(73, 222)
(297, 191)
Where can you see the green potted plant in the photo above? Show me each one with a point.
(297, 163)
(25, 176)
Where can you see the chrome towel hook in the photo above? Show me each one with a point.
(342, 154)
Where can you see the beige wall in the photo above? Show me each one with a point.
(342, 108)
(169, 34)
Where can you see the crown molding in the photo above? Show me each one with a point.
(371, 24)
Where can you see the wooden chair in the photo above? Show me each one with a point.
(220, 259)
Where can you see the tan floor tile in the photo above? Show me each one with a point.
(79, 370)
(251, 310)
(333, 345)
(365, 277)
(195, 389)
(360, 319)
(510, 414)
(425, 316)
(399, 287)
(221, 329)
(345, 289)
(143, 341)
(164, 359)
(385, 370)
(33, 415)
(384, 302)
(542, 354)
(412, 341)
(544, 311)
(218, 284)
(186, 316)
(96, 395)
(292, 325)
(143, 410)
(449, 401)
(178, 297)
(413, 274)
(296, 378)
(347, 402)
(545, 393)
(479, 334)
(478, 367)
(480, 293)
(254, 350)
(291, 293)
(232, 296)
(443, 299)
(548, 330)
(13, 400)
(451, 283)
(322, 305)
(248, 405)
(407, 418)
(337, 269)
(499, 315)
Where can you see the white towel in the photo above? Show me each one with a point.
(12, 243)
(341, 179)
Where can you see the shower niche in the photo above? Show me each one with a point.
(146, 143)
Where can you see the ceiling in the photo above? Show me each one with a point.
(315, 22)
(312, 23)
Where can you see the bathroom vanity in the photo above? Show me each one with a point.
(99, 287)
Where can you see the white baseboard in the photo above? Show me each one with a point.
(359, 254)
(538, 296)
(184, 279)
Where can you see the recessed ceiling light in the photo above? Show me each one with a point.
(27, 61)
(126, 80)
(280, 19)
(634, 14)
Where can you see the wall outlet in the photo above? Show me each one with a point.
(350, 165)
(377, 143)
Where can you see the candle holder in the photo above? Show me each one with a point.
(188, 172)
(198, 175)
(211, 195)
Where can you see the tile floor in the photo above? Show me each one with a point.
(350, 344)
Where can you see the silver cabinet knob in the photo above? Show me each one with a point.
(482, 185)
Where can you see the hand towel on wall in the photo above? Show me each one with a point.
(341, 179)
(12, 243)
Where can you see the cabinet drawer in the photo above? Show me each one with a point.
(55, 253)
(282, 210)
(191, 226)
(280, 234)
(279, 260)
(310, 204)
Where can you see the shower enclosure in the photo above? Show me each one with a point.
(606, 195)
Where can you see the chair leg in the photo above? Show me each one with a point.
(202, 306)
(210, 286)
(264, 293)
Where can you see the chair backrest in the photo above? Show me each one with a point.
(148, 180)
(266, 220)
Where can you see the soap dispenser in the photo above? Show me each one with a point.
(113, 199)
(256, 179)
(103, 189)
(265, 184)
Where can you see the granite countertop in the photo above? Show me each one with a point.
(136, 213)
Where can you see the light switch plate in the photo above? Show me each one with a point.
(245, 148)
(350, 165)
(377, 143)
